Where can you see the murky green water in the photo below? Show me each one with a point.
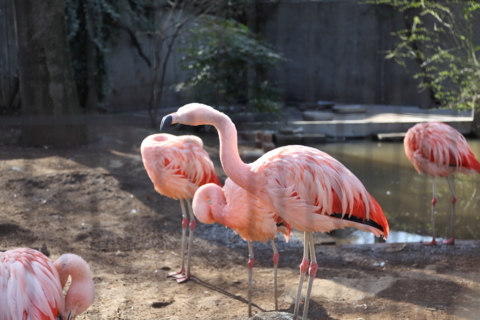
(405, 195)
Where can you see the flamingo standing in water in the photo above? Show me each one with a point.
(31, 286)
(306, 187)
(235, 208)
(177, 166)
(439, 150)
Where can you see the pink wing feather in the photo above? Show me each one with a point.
(438, 150)
(248, 217)
(177, 166)
(29, 286)
(314, 192)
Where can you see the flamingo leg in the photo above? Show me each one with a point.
(191, 236)
(303, 270)
(454, 200)
(276, 256)
(251, 261)
(184, 238)
(312, 271)
(434, 202)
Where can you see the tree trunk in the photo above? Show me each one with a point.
(49, 97)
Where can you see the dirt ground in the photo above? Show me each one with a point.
(97, 201)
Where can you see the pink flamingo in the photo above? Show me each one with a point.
(306, 187)
(31, 286)
(177, 166)
(439, 150)
(235, 208)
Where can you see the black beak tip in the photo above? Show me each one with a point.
(166, 121)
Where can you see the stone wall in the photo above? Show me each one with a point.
(336, 50)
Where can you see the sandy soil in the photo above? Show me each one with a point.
(97, 201)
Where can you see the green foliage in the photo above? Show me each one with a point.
(218, 53)
(440, 37)
(85, 23)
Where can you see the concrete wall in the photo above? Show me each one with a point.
(335, 51)
(132, 77)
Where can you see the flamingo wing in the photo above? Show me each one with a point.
(177, 167)
(247, 216)
(29, 286)
(314, 192)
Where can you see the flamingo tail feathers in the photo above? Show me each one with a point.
(474, 163)
(372, 221)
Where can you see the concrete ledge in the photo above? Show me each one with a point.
(317, 116)
(349, 109)
(391, 136)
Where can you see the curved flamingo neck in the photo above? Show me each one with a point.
(234, 167)
(81, 288)
(218, 203)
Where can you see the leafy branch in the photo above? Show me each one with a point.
(218, 53)
(439, 36)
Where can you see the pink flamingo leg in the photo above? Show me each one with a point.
(303, 270)
(251, 261)
(191, 236)
(311, 272)
(276, 256)
(184, 238)
(434, 202)
(454, 200)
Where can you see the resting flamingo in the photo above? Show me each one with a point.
(235, 208)
(306, 187)
(31, 286)
(177, 166)
(439, 150)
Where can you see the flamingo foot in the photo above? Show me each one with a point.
(176, 274)
(429, 243)
(449, 241)
(185, 278)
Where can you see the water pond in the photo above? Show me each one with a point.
(405, 195)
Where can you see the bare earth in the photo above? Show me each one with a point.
(97, 201)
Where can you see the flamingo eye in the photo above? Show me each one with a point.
(209, 201)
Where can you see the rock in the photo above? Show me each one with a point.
(286, 139)
(317, 116)
(325, 104)
(248, 135)
(267, 137)
(349, 109)
(256, 153)
(268, 146)
(259, 140)
(314, 137)
(394, 136)
(290, 130)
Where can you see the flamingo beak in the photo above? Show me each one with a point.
(168, 120)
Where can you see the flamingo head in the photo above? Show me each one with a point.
(192, 114)
(208, 203)
(75, 306)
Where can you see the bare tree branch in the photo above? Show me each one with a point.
(133, 38)
(171, 28)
